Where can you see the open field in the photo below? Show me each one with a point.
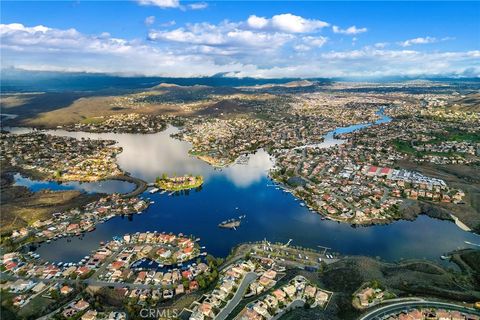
(20, 207)
(30, 105)
(469, 103)
(48, 110)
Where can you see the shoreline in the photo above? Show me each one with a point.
(142, 186)
(421, 208)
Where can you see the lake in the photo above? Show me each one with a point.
(107, 186)
(244, 189)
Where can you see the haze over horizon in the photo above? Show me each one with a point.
(172, 38)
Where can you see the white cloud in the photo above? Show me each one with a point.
(419, 40)
(381, 45)
(296, 24)
(350, 30)
(423, 40)
(236, 38)
(257, 22)
(164, 4)
(226, 35)
(310, 42)
(149, 20)
(198, 6)
(160, 3)
(316, 41)
(168, 23)
(301, 47)
(205, 49)
(42, 48)
(286, 22)
(369, 62)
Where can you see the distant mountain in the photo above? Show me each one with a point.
(19, 80)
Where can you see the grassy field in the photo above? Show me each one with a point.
(406, 147)
(35, 307)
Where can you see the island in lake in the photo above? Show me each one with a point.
(178, 183)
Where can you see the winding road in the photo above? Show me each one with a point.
(246, 281)
(383, 312)
(141, 185)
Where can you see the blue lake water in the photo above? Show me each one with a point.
(246, 189)
(330, 140)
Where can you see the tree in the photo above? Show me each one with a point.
(54, 294)
(201, 282)
(214, 274)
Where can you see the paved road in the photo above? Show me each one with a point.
(141, 185)
(247, 280)
(99, 283)
(89, 281)
(379, 313)
(33, 296)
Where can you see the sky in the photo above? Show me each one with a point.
(262, 39)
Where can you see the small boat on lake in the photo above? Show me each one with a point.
(154, 190)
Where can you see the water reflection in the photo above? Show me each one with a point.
(148, 156)
(108, 186)
(253, 170)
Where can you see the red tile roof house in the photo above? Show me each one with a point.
(81, 305)
(416, 315)
(83, 270)
(187, 275)
(65, 290)
(185, 242)
(141, 277)
(117, 265)
(73, 227)
(188, 250)
(10, 265)
(193, 285)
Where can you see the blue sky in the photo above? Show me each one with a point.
(252, 38)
